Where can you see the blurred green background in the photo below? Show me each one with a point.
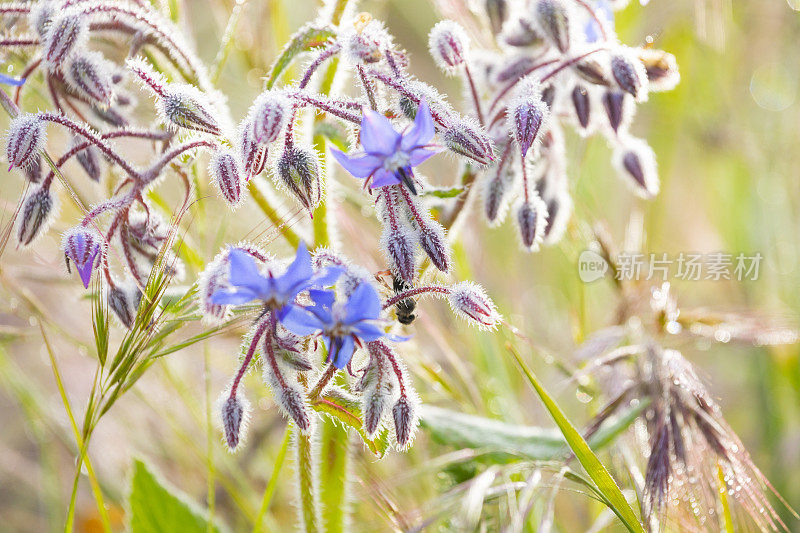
(728, 145)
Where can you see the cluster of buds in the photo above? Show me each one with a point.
(351, 314)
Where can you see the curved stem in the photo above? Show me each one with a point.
(438, 289)
(251, 350)
(474, 90)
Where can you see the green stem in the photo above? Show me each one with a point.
(309, 502)
(333, 453)
(273, 481)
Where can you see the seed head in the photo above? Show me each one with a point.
(89, 74)
(35, 216)
(84, 247)
(553, 20)
(298, 171)
(26, 138)
(66, 34)
(448, 43)
(226, 173)
(468, 300)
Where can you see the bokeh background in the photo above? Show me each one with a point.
(728, 145)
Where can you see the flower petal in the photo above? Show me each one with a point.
(363, 304)
(297, 276)
(327, 276)
(245, 273)
(368, 331)
(359, 167)
(423, 130)
(300, 322)
(418, 155)
(343, 351)
(377, 134)
(384, 177)
(233, 296)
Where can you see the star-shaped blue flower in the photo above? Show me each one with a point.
(389, 156)
(248, 283)
(605, 13)
(342, 323)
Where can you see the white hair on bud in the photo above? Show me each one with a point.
(449, 45)
(636, 163)
(469, 301)
(234, 418)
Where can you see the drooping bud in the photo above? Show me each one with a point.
(225, 171)
(433, 241)
(630, 74)
(495, 197)
(35, 215)
(124, 301)
(405, 421)
(467, 139)
(528, 114)
(292, 403)
(448, 44)
(89, 74)
(497, 11)
(553, 20)
(618, 109)
(366, 42)
(33, 171)
(269, 114)
(185, 106)
(41, 16)
(468, 300)
(66, 34)
(26, 138)
(593, 69)
(582, 105)
(637, 162)
(234, 414)
(211, 279)
(89, 159)
(399, 245)
(549, 95)
(661, 68)
(83, 246)
(298, 171)
(377, 386)
(531, 219)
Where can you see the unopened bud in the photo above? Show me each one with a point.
(41, 16)
(26, 138)
(366, 42)
(298, 171)
(496, 196)
(636, 160)
(405, 421)
(448, 45)
(269, 115)
(66, 34)
(399, 245)
(630, 74)
(90, 160)
(661, 68)
(35, 215)
(213, 277)
(225, 171)
(593, 70)
(33, 171)
(531, 219)
(528, 114)
(553, 19)
(83, 246)
(124, 302)
(234, 413)
(468, 300)
(582, 105)
(433, 241)
(89, 74)
(292, 403)
(618, 109)
(468, 140)
(253, 154)
(497, 11)
(185, 106)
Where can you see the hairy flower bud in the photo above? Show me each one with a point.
(582, 105)
(661, 68)
(468, 140)
(618, 109)
(528, 114)
(234, 414)
(298, 171)
(26, 138)
(593, 70)
(531, 219)
(495, 197)
(448, 45)
(405, 421)
(225, 171)
(378, 387)
(269, 114)
(399, 245)
(630, 74)
(433, 241)
(292, 403)
(553, 20)
(185, 106)
(366, 42)
(89, 74)
(89, 159)
(124, 302)
(41, 16)
(636, 161)
(35, 215)
(497, 11)
(468, 300)
(33, 171)
(83, 246)
(66, 34)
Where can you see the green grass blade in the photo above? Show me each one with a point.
(605, 483)
(273, 481)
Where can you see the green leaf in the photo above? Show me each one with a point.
(333, 133)
(308, 38)
(444, 192)
(605, 483)
(340, 406)
(157, 507)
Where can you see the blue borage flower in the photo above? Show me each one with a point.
(389, 156)
(605, 13)
(9, 80)
(342, 323)
(247, 282)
